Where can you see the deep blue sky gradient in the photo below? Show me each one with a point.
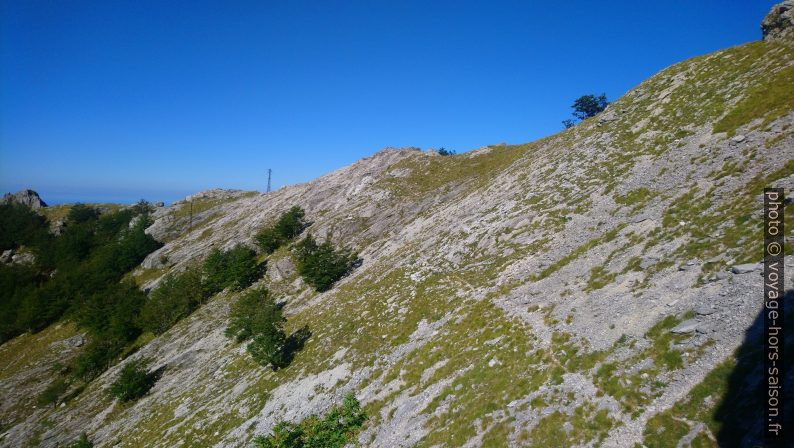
(118, 100)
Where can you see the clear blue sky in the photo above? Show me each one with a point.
(118, 100)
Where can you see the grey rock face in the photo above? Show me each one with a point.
(25, 197)
(778, 25)
(6, 256)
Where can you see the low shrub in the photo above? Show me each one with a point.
(175, 297)
(82, 442)
(334, 430)
(133, 382)
(257, 316)
(321, 265)
(236, 268)
(52, 394)
(289, 225)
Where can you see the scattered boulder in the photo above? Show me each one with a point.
(25, 197)
(778, 25)
(688, 266)
(57, 226)
(722, 275)
(23, 258)
(687, 326)
(75, 341)
(6, 256)
(648, 261)
(704, 310)
(744, 268)
(738, 138)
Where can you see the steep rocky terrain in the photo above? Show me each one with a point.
(25, 197)
(571, 291)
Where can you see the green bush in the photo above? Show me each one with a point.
(334, 430)
(236, 268)
(82, 442)
(52, 394)
(81, 213)
(97, 356)
(322, 265)
(269, 240)
(254, 312)
(257, 316)
(289, 225)
(133, 382)
(20, 226)
(175, 297)
(77, 274)
(267, 349)
(17, 282)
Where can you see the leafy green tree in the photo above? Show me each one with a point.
(334, 430)
(133, 382)
(81, 213)
(269, 240)
(256, 311)
(321, 265)
(174, 298)
(289, 225)
(236, 268)
(243, 270)
(111, 314)
(267, 348)
(16, 283)
(587, 106)
(78, 274)
(20, 226)
(97, 356)
(257, 316)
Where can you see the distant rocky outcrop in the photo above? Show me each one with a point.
(25, 197)
(778, 25)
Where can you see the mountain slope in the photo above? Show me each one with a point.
(513, 295)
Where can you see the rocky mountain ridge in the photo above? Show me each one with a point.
(26, 197)
(574, 290)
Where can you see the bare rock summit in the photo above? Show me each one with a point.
(25, 197)
(778, 25)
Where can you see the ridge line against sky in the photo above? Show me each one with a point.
(114, 101)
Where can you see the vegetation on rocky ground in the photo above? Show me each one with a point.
(133, 382)
(321, 265)
(333, 430)
(288, 226)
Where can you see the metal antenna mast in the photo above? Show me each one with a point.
(268, 180)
